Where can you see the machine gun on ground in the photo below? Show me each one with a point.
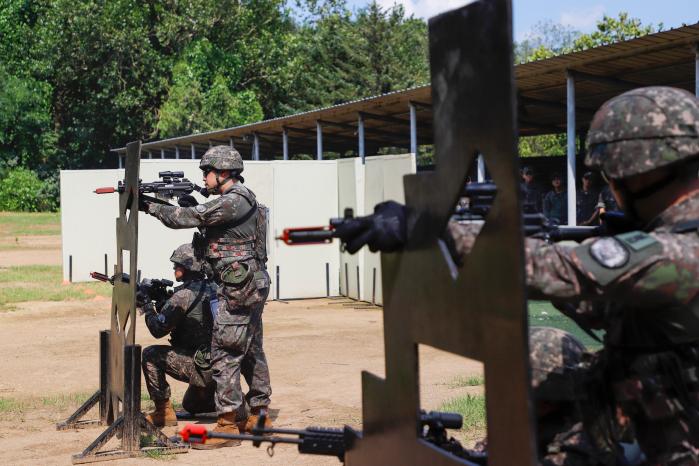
(335, 442)
(171, 185)
(148, 290)
(475, 204)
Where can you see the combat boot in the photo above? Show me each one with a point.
(226, 425)
(254, 416)
(164, 414)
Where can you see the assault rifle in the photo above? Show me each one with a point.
(478, 199)
(147, 290)
(332, 441)
(171, 185)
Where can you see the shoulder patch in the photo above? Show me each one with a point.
(637, 240)
(201, 208)
(610, 253)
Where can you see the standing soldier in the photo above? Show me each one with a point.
(234, 242)
(646, 143)
(187, 317)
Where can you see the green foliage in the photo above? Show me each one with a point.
(20, 190)
(471, 408)
(609, 30)
(549, 39)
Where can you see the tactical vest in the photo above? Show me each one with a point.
(194, 329)
(243, 239)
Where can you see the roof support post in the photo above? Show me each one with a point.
(480, 169)
(150, 155)
(230, 142)
(319, 141)
(194, 151)
(285, 144)
(210, 144)
(413, 128)
(570, 169)
(162, 153)
(696, 69)
(255, 146)
(121, 161)
(177, 152)
(360, 137)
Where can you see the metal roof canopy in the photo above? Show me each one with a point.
(404, 118)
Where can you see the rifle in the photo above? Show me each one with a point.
(171, 185)
(479, 198)
(333, 441)
(147, 290)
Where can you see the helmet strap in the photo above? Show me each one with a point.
(220, 182)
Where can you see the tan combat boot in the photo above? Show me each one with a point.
(164, 414)
(226, 425)
(254, 416)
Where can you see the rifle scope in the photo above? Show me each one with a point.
(170, 174)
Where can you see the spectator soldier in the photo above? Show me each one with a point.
(556, 201)
(234, 242)
(187, 318)
(587, 201)
(531, 193)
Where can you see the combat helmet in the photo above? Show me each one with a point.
(554, 356)
(222, 158)
(642, 130)
(185, 257)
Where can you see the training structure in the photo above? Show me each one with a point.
(119, 396)
(428, 299)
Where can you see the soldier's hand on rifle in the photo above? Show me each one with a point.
(187, 200)
(385, 230)
(143, 205)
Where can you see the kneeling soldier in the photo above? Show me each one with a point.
(187, 317)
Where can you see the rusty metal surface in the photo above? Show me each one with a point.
(123, 313)
(481, 312)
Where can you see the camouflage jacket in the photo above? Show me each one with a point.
(651, 277)
(231, 231)
(186, 316)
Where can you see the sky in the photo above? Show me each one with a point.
(579, 14)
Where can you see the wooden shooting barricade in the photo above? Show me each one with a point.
(119, 394)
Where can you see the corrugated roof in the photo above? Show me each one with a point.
(664, 58)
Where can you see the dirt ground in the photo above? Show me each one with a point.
(316, 350)
(30, 250)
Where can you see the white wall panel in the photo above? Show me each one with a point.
(88, 221)
(383, 182)
(350, 179)
(305, 194)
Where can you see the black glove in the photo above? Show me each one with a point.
(187, 200)
(143, 205)
(384, 231)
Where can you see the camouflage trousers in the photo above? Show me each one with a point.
(236, 349)
(159, 360)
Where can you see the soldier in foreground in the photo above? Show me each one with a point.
(187, 318)
(234, 243)
(646, 143)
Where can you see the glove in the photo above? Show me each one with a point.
(143, 205)
(187, 200)
(385, 230)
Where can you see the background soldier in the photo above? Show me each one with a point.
(531, 192)
(234, 242)
(187, 317)
(646, 143)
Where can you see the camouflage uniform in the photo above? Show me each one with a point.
(234, 234)
(647, 281)
(187, 318)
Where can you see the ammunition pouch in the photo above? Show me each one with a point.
(236, 274)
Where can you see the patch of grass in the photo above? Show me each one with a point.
(471, 408)
(61, 402)
(157, 454)
(543, 314)
(43, 283)
(30, 223)
(473, 380)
